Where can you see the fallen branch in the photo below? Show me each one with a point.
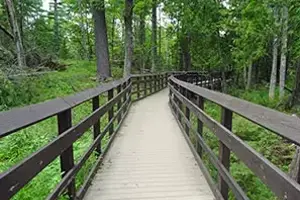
(6, 32)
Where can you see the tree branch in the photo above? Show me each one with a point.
(6, 32)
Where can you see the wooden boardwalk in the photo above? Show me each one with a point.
(149, 159)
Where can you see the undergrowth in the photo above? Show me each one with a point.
(21, 91)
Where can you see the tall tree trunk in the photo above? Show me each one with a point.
(101, 44)
(295, 99)
(186, 52)
(16, 33)
(56, 28)
(83, 31)
(112, 38)
(159, 37)
(249, 78)
(274, 69)
(154, 35)
(284, 41)
(88, 37)
(142, 37)
(128, 37)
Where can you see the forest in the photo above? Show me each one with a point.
(53, 48)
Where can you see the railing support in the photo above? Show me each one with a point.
(200, 104)
(96, 127)
(67, 157)
(224, 151)
(145, 86)
(110, 95)
(138, 87)
(119, 89)
(187, 113)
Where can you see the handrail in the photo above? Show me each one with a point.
(19, 118)
(186, 98)
(275, 121)
(15, 178)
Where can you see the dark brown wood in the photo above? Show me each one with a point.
(119, 89)
(187, 114)
(19, 118)
(200, 104)
(145, 86)
(236, 189)
(110, 95)
(279, 182)
(96, 127)
(64, 120)
(280, 123)
(16, 177)
(138, 87)
(224, 152)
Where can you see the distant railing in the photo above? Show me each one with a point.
(118, 94)
(186, 98)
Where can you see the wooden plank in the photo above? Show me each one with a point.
(236, 189)
(145, 86)
(277, 122)
(119, 89)
(138, 87)
(187, 114)
(279, 182)
(200, 104)
(224, 151)
(64, 120)
(110, 95)
(96, 127)
(72, 173)
(16, 177)
(19, 118)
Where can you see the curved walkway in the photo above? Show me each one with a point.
(149, 159)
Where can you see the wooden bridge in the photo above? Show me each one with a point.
(154, 148)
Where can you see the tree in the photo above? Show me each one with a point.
(16, 32)
(101, 42)
(154, 36)
(128, 37)
(284, 42)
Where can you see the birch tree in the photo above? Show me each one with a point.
(154, 36)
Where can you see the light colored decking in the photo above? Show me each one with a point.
(149, 159)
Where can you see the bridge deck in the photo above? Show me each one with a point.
(149, 159)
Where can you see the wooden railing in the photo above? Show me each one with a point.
(186, 98)
(118, 94)
(145, 84)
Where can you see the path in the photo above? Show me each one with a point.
(149, 159)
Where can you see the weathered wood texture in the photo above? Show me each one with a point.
(149, 159)
(19, 175)
(286, 126)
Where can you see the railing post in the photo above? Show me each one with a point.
(151, 83)
(224, 151)
(119, 89)
(200, 103)
(187, 112)
(145, 85)
(67, 157)
(96, 127)
(180, 104)
(124, 98)
(155, 83)
(110, 95)
(138, 86)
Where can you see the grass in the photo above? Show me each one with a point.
(271, 146)
(79, 75)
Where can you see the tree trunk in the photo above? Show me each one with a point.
(128, 37)
(101, 44)
(249, 78)
(56, 29)
(154, 36)
(83, 32)
(142, 38)
(186, 52)
(284, 41)
(112, 38)
(245, 75)
(16, 33)
(295, 99)
(274, 69)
